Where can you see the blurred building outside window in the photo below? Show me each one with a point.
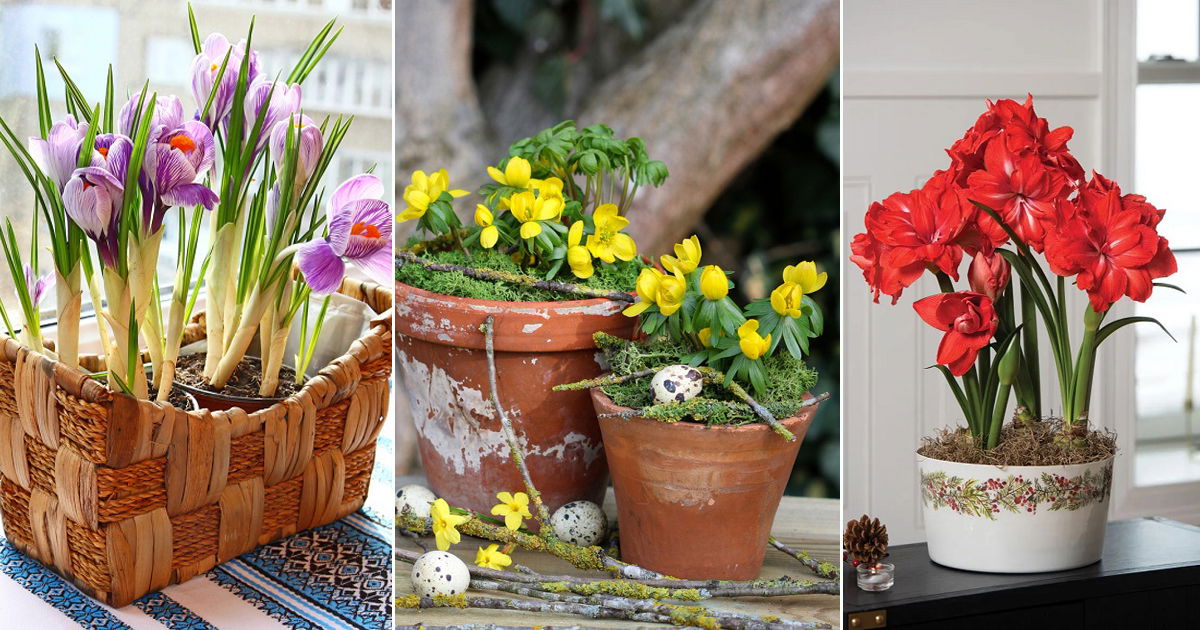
(1166, 163)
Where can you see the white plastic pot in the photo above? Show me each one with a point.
(1015, 519)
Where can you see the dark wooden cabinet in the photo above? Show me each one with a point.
(1148, 578)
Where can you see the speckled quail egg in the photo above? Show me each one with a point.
(416, 498)
(580, 523)
(440, 573)
(676, 383)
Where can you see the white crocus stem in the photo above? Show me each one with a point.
(218, 275)
(97, 307)
(142, 269)
(276, 326)
(240, 340)
(70, 301)
(120, 298)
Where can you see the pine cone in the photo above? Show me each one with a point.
(866, 540)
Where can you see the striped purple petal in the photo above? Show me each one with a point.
(58, 154)
(363, 186)
(322, 269)
(310, 141)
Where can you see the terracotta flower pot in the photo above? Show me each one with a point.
(697, 502)
(440, 353)
(1015, 519)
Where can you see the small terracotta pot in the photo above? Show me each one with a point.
(697, 502)
(216, 401)
(440, 353)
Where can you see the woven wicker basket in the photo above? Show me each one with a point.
(126, 496)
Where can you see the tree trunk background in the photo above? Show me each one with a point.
(708, 88)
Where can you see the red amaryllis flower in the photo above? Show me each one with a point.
(989, 274)
(969, 321)
(867, 253)
(1021, 189)
(921, 225)
(1025, 134)
(1110, 244)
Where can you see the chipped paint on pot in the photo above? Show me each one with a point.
(697, 502)
(441, 357)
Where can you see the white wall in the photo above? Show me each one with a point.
(915, 76)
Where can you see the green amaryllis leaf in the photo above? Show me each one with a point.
(1167, 285)
(956, 390)
(1114, 326)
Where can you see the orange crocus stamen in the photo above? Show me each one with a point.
(364, 229)
(183, 143)
(102, 151)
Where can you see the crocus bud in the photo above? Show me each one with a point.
(166, 117)
(280, 100)
(309, 143)
(205, 68)
(58, 154)
(989, 274)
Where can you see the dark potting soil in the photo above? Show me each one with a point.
(244, 382)
(1036, 444)
(178, 398)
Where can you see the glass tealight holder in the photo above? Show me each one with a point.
(876, 577)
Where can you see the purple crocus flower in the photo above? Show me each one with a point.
(38, 286)
(309, 139)
(205, 68)
(281, 101)
(360, 232)
(58, 154)
(173, 164)
(167, 116)
(92, 199)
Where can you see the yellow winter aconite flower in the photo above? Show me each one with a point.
(484, 219)
(513, 507)
(444, 524)
(805, 275)
(647, 290)
(752, 344)
(424, 190)
(608, 243)
(516, 173)
(686, 258)
(492, 558)
(550, 188)
(671, 290)
(531, 210)
(713, 283)
(578, 257)
(785, 299)
(705, 335)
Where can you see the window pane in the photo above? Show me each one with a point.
(1165, 168)
(1168, 27)
(1166, 442)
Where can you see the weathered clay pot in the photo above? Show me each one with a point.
(440, 353)
(697, 502)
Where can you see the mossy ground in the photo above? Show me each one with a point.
(789, 380)
(620, 276)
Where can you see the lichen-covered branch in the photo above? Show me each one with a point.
(681, 613)
(714, 376)
(686, 590)
(822, 569)
(515, 279)
(602, 381)
(591, 611)
(510, 434)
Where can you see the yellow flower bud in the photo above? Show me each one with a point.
(647, 290)
(785, 299)
(752, 344)
(705, 335)
(713, 283)
(671, 290)
(686, 258)
(805, 275)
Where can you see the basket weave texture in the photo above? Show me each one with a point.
(124, 497)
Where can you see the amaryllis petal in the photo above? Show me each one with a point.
(323, 270)
(969, 321)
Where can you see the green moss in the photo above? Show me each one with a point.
(789, 380)
(621, 276)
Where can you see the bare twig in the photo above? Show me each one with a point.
(416, 538)
(517, 279)
(822, 569)
(510, 435)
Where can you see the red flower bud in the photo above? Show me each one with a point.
(969, 320)
(989, 274)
